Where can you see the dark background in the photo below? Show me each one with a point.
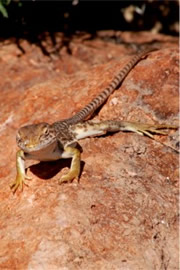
(27, 19)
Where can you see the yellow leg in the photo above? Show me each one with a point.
(148, 129)
(21, 176)
(75, 164)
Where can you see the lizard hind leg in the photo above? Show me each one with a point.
(75, 164)
(148, 129)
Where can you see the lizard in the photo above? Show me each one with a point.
(49, 142)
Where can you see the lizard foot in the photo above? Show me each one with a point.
(19, 182)
(149, 130)
(69, 177)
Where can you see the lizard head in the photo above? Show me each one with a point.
(33, 137)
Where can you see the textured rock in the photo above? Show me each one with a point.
(123, 214)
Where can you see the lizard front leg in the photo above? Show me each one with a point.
(21, 175)
(75, 164)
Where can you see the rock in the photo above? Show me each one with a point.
(123, 214)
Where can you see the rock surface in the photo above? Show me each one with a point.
(123, 214)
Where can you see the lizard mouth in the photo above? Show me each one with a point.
(46, 152)
(30, 146)
(33, 148)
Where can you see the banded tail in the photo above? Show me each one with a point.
(102, 97)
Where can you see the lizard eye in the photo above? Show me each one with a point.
(46, 131)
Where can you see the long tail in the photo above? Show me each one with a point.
(102, 97)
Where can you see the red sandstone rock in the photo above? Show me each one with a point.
(123, 214)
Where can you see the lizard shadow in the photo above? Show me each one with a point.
(47, 170)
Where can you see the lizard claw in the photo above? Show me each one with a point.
(145, 129)
(19, 182)
(69, 177)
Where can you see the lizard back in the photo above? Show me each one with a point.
(103, 96)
